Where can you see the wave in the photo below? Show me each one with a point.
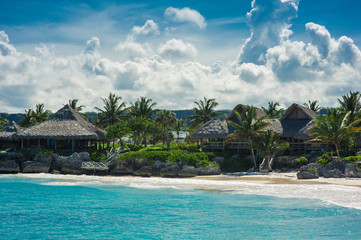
(346, 196)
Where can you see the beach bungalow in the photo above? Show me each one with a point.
(66, 129)
(7, 136)
(212, 134)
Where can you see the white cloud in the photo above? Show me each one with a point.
(133, 49)
(186, 15)
(149, 27)
(92, 45)
(177, 49)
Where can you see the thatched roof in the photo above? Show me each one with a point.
(239, 108)
(64, 124)
(214, 128)
(296, 111)
(10, 131)
(295, 123)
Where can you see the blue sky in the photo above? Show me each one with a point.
(176, 52)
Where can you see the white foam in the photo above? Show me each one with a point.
(346, 196)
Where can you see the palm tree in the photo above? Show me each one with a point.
(204, 112)
(269, 144)
(313, 106)
(142, 108)
(40, 115)
(73, 103)
(334, 128)
(249, 127)
(114, 110)
(351, 103)
(165, 118)
(180, 126)
(28, 119)
(3, 121)
(272, 111)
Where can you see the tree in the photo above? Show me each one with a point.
(204, 112)
(3, 121)
(117, 130)
(40, 115)
(351, 103)
(143, 108)
(249, 127)
(181, 125)
(272, 111)
(334, 128)
(139, 128)
(313, 106)
(73, 103)
(114, 110)
(28, 119)
(165, 118)
(269, 144)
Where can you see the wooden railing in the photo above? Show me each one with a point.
(94, 166)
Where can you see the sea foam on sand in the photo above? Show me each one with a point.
(346, 196)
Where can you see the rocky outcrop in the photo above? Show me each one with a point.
(145, 171)
(334, 169)
(170, 171)
(9, 166)
(208, 171)
(72, 164)
(36, 167)
(188, 171)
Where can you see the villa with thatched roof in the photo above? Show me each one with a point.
(7, 136)
(212, 134)
(66, 129)
(293, 126)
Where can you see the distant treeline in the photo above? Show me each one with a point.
(180, 114)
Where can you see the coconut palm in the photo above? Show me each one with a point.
(272, 111)
(73, 103)
(114, 110)
(204, 112)
(269, 144)
(28, 119)
(142, 108)
(351, 103)
(39, 114)
(313, 106)
(3, 121)
(334, 128)
(165, 118)
(181, 125)
(249, 127)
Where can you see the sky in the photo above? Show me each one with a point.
(177, 52)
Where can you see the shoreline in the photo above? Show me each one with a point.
(342, 192)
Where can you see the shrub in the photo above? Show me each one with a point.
(322, 161)
(351, 159)
(302, 160)
(10, 150)
(133, 147)
(98, 156)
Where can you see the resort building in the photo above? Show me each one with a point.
(7, 136)
(66, 129)
(293, 126)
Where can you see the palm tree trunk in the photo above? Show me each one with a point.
(337, 151)
(253, 158)
(168, 143)
(271, 161)
(262, 164)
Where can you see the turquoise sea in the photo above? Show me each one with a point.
(47, 209)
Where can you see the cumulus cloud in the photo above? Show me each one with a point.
(186, 15)
(149, 27)
(177, 49)
(269, 22)
(92, 45)
(133, 49)
(5, 47)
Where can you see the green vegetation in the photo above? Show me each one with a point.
(302, 160)
(272, 111)
(351, 159)
(98, 156)
(324, 159)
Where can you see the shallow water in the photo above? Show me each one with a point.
(32, 208)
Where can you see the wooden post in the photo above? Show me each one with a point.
(55, 144)
(72, 145)
(90, 144)
(39, 143)
(22, 144)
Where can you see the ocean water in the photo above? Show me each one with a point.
(41, 207)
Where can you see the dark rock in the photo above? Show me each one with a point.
(313, 167)
(330, 171)
(145, 171)
(307, 174)
(72, 164)
(352, 171)
(122, 168)
(157, 166)
(9, 166)
(171, 171)
(188, 171)
(45, 158)
(11, 156)
(35, 167)
(208, 171)
(219, 160)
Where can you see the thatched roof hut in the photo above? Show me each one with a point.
(214, 128)
(65, 124)
(8, 133)
(295, 123)
(239, 108)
